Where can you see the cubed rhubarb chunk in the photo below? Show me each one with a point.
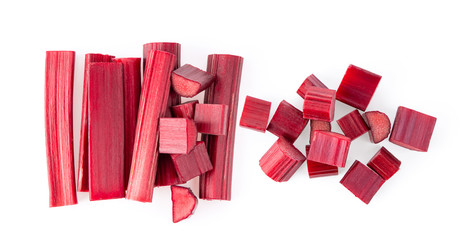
(177, 135)
(281, 161)
(255, 114)
(412, 129)
(287, 122)
(188, 80)
(316, 169)
(318, 125)
(384, 163)
(184, 110)
(329, 148)
(211, 118)
(379, 125)
(183, 203)
(362, 181)
(357, 87)
(192, 164)
(319, 104)
(311, 81)
(166, 172)
(353, 125)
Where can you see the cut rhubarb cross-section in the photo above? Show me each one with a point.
(287, 122)
(379, 125)
(384, 163)
(329, 148)
(255, 114)
(353, 125)
(192, 164)
(211, 118)
(281, 161)
(362, 181)
(184, 110)
(177, 135)
(311, 81)
(319, 104)
(189, 81)
(183, 203)
(316, 169)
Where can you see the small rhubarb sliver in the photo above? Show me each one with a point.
(384, 163)
(188, 81)
(357, 87)
(329, 148)
(281, 161)
(362, 181)
(316, 169)
(379, 125)
(255, 114)
(412, 129)
(287, 122)
(353, 125)
(211, 119)
(166, 172)
(184, 110)
(192, 164)
(318, 125)
(311, 81)
(177, 135)
(183, 203)
(319, 104)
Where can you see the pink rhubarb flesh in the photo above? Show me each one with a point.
(329, 148)
(311, 81)
(384, 163)
(183, 203)
(192, 164)
(319, 104)
(188, 81)
(287, 122)
(177, 135)
(211, 119)
(362, 181)
(184, 110)
(316, 169)
(379, 125)
(353, 125)
(281, 161)
(255, 114)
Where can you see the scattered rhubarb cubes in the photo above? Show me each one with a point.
(183, 203)
(311, 81)
(211, 118)
(319, 104)
(281, 161)
(192, 164)
(184, 110)
(255, 114)
(177, 135)
(362, 181)
(357, 87)
(353, 125)
(379, 125)
(329, 148)
(316, 169)
(189, 81)
(384, 163)
(287, 122)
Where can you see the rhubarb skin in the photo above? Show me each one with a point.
(166, 172)
(183, 203)
(329, 148)
(83, 169)
(311, 81)
(152, 107)
(184, 110)
(255, 114)
(281, 161)
(316, 169)
(379, 125)
(188, 81)
(319, 104)
(353, 125)
(384, 163)
(106, 131)
(362, 181)
(412, 129)
(59, 77)
(357, 87)
(211, 119)
(216, 183)
(192, 164)
(318, 125)
(287, 122)
(177, 135)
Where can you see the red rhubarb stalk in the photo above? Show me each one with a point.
(362, 181)
(319, 104)
(316, 169)
(184, 110)
(384, 163)
(192, 164)
(183, 203)
(166, 172)
(212, 119)
(287, 122)
(353, 125)
(188, 81)
(379, 125)
(177, 135)
(255, 114)
(329, 148)
(311, 81)
(281, 161)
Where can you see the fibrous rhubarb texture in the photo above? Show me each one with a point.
(177, 135)
(192, 164)
(412, 129)
(216, 183)
(59, 72)
(353, 125)
(311, 81)
(188, 81)
(212, 119)
(362, 181)
(166, 172)
(183, 203)
(316, 169)
(184, 110)
(152, 106)
(357, 87)
(255, 114)
(329, 148)
(287, 122)
(379, 125)
(106, 131)
(384, 163)
(281, 161)
(319, 104)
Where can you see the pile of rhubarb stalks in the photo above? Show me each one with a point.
(135, 132)
(327, 151)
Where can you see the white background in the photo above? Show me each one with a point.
(425, 52)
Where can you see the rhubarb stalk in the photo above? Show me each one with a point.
(287, 122)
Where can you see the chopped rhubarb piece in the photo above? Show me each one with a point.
(384, 163)
(184, 110)
(152, 106)
(319, 104)
(211, 119)
(166, 172)
(353, 125)
(192, 164)
(255, 114)
(311, 81)
(318, 125)
(362, 181)
(316, 169)
(357, 87)
(287, 122)
(177, 135)
(281, 161)
(106, 131)
(329, 148)
(412, 129)
(379, 125)
(188, 81)
(216, 183)
(59, 75)
(183, 203)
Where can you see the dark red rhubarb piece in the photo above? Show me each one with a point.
(316, 169)
(255, 114)
(184, 110)
(166, 172)
(177, 135)
(379, 125)
(216, 183)
(106, 131)
(319, 104)
(192, 164)
(281, 161)
(362, 181)
(357, 87)
(59, 75)
(412, 129)
(353, 125)
(152, 106)
(188, 81)
(287, 122)
(329, 148)
(183, 203)
(211, 119)
(384, 163)
(311, 81)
